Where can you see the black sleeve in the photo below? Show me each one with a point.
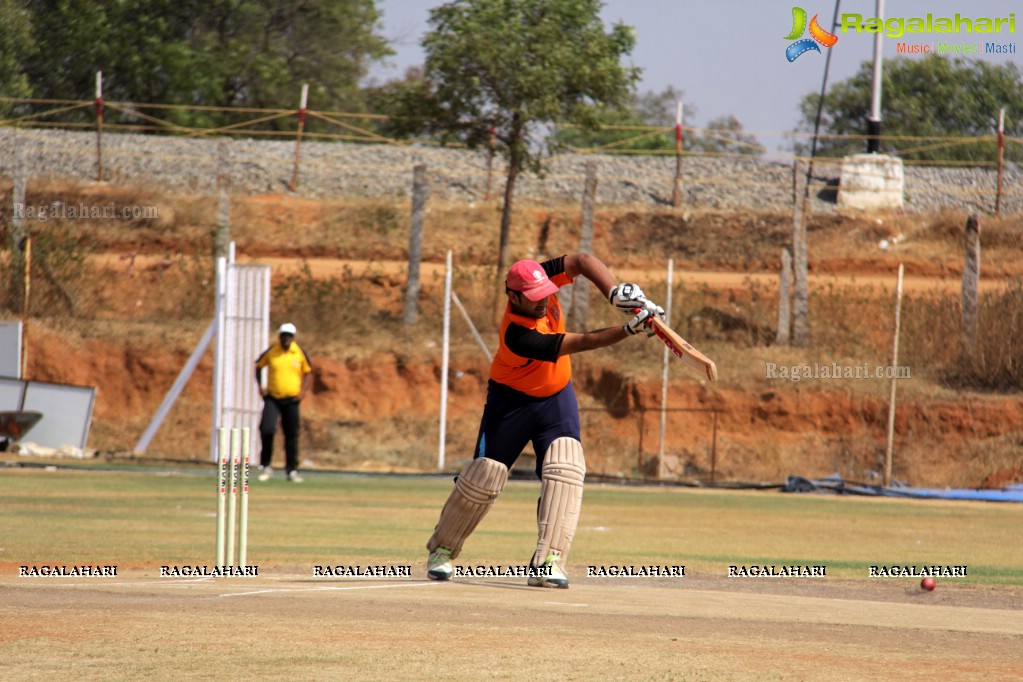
(531, 344)
(554, 266)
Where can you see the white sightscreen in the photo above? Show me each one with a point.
(11, 393)
(243, 333)
(10, 349)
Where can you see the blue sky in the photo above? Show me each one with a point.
(728, 57)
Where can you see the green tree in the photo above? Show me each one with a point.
(931, 97)
(16, 49)
(263, 50)
(139, 45)
(517, 66)
(253, 53)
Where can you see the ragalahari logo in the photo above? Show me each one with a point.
(818, 35)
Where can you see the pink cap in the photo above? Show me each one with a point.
(528, 277)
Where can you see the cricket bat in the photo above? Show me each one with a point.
(684, 350)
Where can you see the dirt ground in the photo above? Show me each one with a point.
(286, 621)
(692, 628)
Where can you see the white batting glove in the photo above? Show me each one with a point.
(656, 309)
(627, 297)
(641, 322)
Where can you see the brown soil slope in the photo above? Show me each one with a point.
(142, 297)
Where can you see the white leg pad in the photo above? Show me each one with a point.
(475, 491)
(561, 499)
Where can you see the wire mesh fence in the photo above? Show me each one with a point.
(344, 154)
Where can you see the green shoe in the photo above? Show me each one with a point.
(438, 566)
(549, 574)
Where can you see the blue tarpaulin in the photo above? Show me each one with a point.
(836, 484)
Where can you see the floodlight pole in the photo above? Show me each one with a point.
(874, 120)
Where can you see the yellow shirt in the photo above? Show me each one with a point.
(286, 369)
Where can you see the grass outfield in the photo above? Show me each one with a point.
(143, 520)
(286, 622)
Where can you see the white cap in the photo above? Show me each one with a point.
(287, 328)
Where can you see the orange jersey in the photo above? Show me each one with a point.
(531, 375)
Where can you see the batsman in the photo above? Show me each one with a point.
(530, 398)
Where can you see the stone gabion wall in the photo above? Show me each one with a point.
(338, 170)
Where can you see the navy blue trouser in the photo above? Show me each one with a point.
(285, 410)
(511, 419)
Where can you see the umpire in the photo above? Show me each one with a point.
(289, 376)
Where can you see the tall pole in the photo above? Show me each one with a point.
(298, 136)
(820, 103)
(219, 351)
(21, 251)
(676, 194)
(415, 243)
(25, 303)
(784, 299)
(1001, 159)
(580, 296)
(874, 120)
(894, 371)
(445, 351)
(99, 126)
(970, 293)
(664, 375)
(17, 231)
(800, 260)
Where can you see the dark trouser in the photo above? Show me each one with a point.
(285, 410)
(511, 419)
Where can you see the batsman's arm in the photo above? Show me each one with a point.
(593, 269)
(599, 338)
(574, 343)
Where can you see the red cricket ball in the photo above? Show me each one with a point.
(928, 584)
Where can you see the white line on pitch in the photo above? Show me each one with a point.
(328, 589)
(198, 582)
(564, 603)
